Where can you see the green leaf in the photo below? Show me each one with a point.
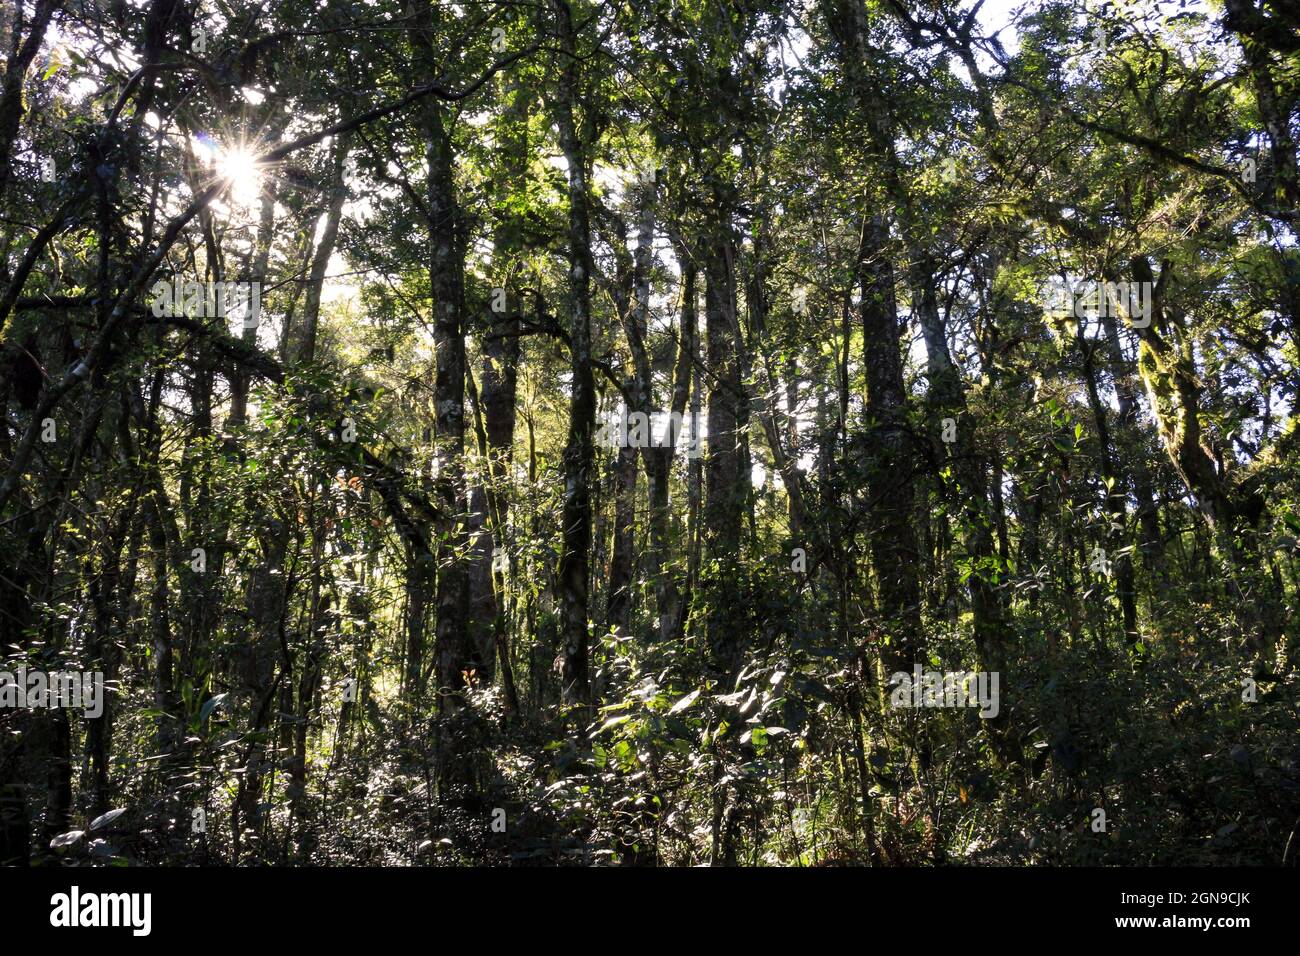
(210, 705)
(66, 839)
(105, 819)
(685, 702)
(614, 722)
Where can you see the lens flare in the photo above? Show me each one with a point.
(239, 167)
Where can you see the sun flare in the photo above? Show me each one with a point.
(240, 167)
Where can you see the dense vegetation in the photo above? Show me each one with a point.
(410, 567)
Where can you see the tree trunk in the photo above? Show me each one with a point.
(321, 258)
(576, 518)
(724, 484)
(890, 461)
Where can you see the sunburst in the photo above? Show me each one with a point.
(240, 168)
(237, 165)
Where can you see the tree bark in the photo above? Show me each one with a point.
(576, 690)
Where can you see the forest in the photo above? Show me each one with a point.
(649, 433)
